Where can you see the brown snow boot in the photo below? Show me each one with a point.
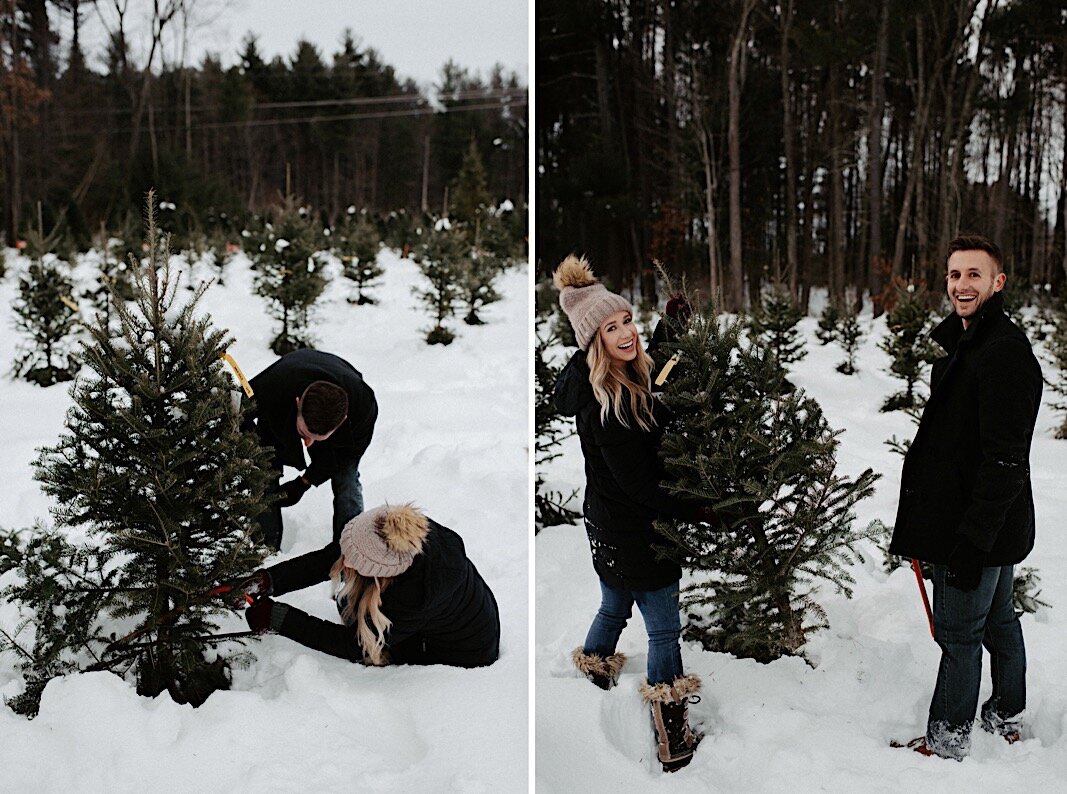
(601, 670)
(670, 719)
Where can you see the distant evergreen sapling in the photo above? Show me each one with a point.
(828, 323)
(440, 258)
(1057, 349)
(356, 242)
(470, 201)
(763, 455)
(908, 344)
(480, 269)
(47, 314)
(774, 324)
(849, 335)
(288, 276)
(155, 468)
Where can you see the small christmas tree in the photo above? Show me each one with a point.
(470, 197)
(288, 276)
(440, 259)
(1056, 344)
(774, 324)
(849, 335)
(762, 454)
(479, 270)
(155, 469)
(828, 321)
(47, 313)
(908, 344)
(550, 507)
(356, 241)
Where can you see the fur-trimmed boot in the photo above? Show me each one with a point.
(670, 719)
(601, 670)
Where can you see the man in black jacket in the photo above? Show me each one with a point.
(318, 402)
(966, 504)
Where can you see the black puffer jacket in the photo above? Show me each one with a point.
(441, 609)
(967, 473)
(623, 489)
(276, 389)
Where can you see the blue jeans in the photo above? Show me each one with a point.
(963, 623)
(347, 504)
(659, 609)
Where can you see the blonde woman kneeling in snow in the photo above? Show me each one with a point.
(404, 588)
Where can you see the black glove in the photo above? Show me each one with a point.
(678, 308)
(965, 563)
(234, 591)
(258, 615)
(292, 491)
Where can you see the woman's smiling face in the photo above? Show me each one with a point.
(619, 336)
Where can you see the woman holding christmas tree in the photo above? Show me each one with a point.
(406, 592)
(607, 387)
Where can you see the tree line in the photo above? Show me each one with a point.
(336, 130)
(808, 142)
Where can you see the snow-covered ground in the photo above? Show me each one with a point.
(788, 726)
(452, 435)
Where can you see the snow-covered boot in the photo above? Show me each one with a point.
(601, 670)
(670, 719)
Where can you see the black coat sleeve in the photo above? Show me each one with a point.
(1009, 392)
(303, 571)
(636, 472)
(321, 635)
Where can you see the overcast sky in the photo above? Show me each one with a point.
(416, 37)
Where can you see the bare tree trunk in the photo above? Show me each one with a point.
(735, 79)
(874, 159)
(836, 221)
(790, 152)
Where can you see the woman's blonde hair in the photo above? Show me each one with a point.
(610, 378)
(363, 608)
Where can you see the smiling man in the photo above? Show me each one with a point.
(315, 402)
(966, 504)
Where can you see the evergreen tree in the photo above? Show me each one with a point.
(550, 507)
(762, 454)
(356, 242)
(479, 270)
(774, 324)
(849, 335)
(155, 469)
(46, 312)
(440, 258)
(288, 276)
(470, 200)
(828, 322)
(908, 344)
(1057, 348)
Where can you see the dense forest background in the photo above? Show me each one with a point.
(815, 142)
(83, 142)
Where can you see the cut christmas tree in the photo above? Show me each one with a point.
(155, 472)
(761, 452)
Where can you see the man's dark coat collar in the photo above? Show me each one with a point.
(950, 333)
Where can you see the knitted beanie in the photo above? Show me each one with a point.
(585, 300)
(383, 541)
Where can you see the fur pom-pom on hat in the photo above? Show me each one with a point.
(586, 302)
(383, 541)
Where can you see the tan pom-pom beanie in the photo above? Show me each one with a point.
(586, 302)
(384, 540)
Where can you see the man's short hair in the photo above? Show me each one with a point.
(977, 242)
(324, 406)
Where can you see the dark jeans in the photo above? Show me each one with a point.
(659, 609)
(963, 623)
(347, 504)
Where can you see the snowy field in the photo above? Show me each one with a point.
(788, 726)
(452, 435)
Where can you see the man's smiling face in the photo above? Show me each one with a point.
(972, 279)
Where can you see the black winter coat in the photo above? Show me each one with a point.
(276, 389)
(967, 473)
(441, 609)
(623, 489)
